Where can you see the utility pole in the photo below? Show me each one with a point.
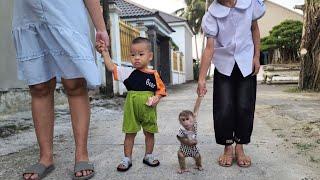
(109, 80)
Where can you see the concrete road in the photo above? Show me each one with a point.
(270, 159)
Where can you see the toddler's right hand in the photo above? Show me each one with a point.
(149, 102)
(101, 46)
(153, 101)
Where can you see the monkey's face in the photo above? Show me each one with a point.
(187, 122)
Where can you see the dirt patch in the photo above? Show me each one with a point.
(15, 123)
(294, 117)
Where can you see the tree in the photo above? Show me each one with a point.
(285, 37)
(310, 47)
(194, 12)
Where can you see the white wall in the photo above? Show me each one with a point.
(179, 37)
(188, 56)
(276, 14)
(178, 78)
(8, 65)
(183, 38)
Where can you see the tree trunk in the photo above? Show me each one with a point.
(270, 57)
(310, 47)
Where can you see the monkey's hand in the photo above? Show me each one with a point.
(183, 140)
(193, 142)
(186, 141)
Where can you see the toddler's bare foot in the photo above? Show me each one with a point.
(181, 171)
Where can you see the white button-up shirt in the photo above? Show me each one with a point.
(231, 28)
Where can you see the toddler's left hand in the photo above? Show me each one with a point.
(153, 101)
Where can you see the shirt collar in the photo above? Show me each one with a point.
(219, 11)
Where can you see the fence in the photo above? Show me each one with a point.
(177, 61)
(127, 34)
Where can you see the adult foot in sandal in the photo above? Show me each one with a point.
(242, 159)
(150, 160)
(124, 165)
(226, 158)
(83, 170)
(37, 171)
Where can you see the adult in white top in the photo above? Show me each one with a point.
(233, 45)
(229, 27)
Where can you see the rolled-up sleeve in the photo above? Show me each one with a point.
(209, 25)
(258, 9)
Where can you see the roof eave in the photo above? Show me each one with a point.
(156, 15)
(185, 24)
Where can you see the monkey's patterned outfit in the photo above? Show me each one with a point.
(188, 151)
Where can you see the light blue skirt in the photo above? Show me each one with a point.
(52, 39)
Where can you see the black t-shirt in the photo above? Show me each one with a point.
(138, 80)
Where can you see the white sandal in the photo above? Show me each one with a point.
(151, 161)
(126, 163)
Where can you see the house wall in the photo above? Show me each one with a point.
(149, 21)
(8, 65)
(179, 37)
(183, 38)
(188, 56)
(178, 76)
(275, 14)
(165, 60)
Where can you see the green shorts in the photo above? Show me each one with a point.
(137, 114)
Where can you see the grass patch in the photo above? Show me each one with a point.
(10, 129)
(304, 146)
(277, 129)
(293, 90)
(307, 129)
(276, 107)
(315, 160)
(297, 90)
(281, 135)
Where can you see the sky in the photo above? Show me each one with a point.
(289, 3)
(170, 6)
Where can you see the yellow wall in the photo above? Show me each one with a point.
(276, 14)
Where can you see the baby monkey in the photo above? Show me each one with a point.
(187, 136)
